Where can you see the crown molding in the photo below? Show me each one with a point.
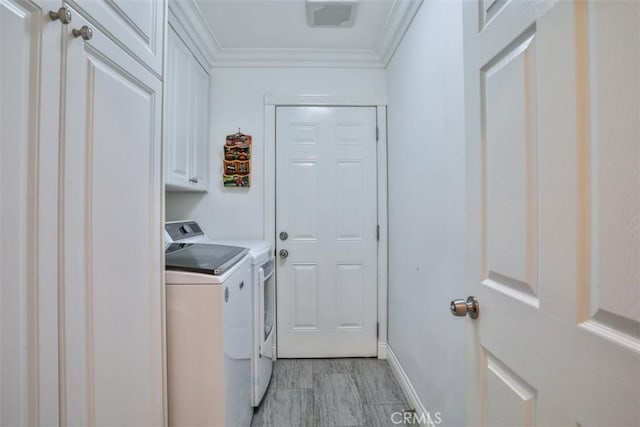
(297, 58)
(353, 101)
(400, 17)
(187, 18)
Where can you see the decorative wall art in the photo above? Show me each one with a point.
(237, 160)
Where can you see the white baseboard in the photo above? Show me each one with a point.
(382, 350)
(405, 383)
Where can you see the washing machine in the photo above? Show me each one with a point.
(263, 280)
(209, 335)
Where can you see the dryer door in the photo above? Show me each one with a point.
(267, 307)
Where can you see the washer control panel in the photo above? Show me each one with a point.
(183, 230)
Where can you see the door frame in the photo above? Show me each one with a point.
(269, 203)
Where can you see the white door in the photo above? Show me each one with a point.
(29, 103)
(326, 203)
(553, 208)
(112, 285)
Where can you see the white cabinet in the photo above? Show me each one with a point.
(200, 126)
(81, 278)
(178, 112)
(112, 190)
(136, 26)
(29, 114)
(186, 119)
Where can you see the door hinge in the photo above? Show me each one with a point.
(378, 330)
(378, 233)
(377, 134)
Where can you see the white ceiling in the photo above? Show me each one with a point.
(275, 32)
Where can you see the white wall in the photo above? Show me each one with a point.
(426, 206)
(238, 101)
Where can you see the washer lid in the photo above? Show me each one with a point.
(202, 258)
(260, 251)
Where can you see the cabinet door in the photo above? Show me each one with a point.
(29, 103)
(200, 140)
(112, 261)
(179, 113)
(137, 25)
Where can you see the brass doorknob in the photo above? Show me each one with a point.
(461, 308)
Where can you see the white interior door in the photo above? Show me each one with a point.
(553, 209)
(326, 202)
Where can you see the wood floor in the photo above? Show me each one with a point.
(330, 392)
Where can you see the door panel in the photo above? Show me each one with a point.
(200, 142)
(553, 212)
(305, 299)
(136, 24)
(187, 120)
(510, 167)
(612, 307)
(112, 252)
(16, 181)
(349, 290)
(510, 400)
(29, 104)
(349, 199)
(303, 220)
(178, 111)
(326, 202)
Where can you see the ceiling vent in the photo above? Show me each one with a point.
(331, 13)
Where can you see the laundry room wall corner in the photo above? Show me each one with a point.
(426, 209)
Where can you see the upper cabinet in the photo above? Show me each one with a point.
(135, 25)
(186, 128)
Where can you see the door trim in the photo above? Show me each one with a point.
(269, 203)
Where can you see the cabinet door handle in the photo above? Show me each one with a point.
(193, 180)
(63, 14)
(85, 32)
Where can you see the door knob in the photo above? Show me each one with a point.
(63, 14)
(284, 253)
(85, 32)
(460, 307)
(284, 235)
